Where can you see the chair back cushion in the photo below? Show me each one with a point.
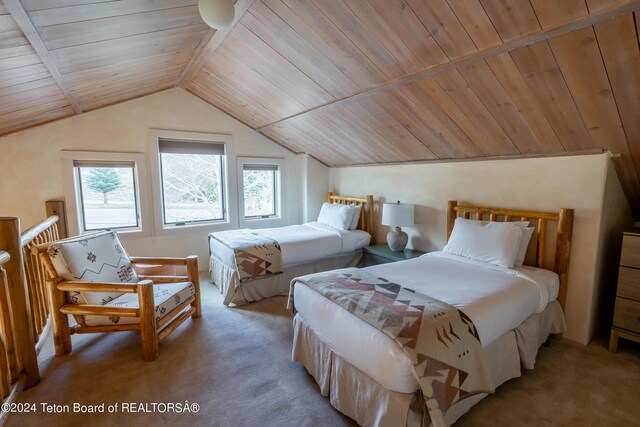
(97, 257)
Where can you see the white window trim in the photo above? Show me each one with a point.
(231, 199)
(279, 220)
(71, 190)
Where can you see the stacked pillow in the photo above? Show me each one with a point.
(500, 243)
(342, 217)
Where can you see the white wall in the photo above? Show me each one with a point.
(545, 184)
(314, 186)
(30, 166)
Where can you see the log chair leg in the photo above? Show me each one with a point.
(613, 341)
(59, 320)
(192, 272)
(148, 329)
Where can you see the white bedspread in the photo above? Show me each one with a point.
(302, 243)
(496, 299)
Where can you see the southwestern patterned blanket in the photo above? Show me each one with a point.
(440, 340)
(255, 255)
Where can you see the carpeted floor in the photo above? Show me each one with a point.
(236, 365)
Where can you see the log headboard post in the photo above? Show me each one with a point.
(451, 217)
(564, 219)
(563, 251)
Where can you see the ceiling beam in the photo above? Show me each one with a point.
(19, 15)
(208, 45)
(576, 24)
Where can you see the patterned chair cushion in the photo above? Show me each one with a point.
(166, 298)
(97, 257)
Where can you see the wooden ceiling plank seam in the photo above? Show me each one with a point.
(393, 131)
(35, 109)
(449, 134)
(524, 100)
(542, 74)
(410, 29)
(517, 43)
(557, 12)
(208, 44)
(275, 32)
(636, 15)
(332, 127)
(229, 93)
(153, 76)
(16, 51)
(22, 20)
(31, 5)
(383, 146)
(371, 20)
(591, 112)
(456, 97)
(444, 26)
(330, 40)
(25, 86)
(312, 141)
(476, 22)
(497, 101)
(138, 46)
(91, 11)
(51, 116)
(280, 72)
(512, 18)
(597, 5)
(119, 27)
(19, 61)
(350, 26)
(129, 95)
(252, 84)
(620, 50)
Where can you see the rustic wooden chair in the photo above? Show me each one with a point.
(92, 278)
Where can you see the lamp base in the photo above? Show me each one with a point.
(397, 239)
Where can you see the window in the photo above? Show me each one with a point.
(102, 191)
(192, 180)
(260, 189)
(107, 196)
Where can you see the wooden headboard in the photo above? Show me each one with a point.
(366, 214)
(564, 218)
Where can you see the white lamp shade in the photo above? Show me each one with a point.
(397, 214)
(216, 13)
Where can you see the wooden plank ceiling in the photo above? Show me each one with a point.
(350, 81)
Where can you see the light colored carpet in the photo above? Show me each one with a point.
(236, 365)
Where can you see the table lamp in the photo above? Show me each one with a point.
(397, 215)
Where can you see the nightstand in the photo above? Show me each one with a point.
(381, 254)
(626, 317)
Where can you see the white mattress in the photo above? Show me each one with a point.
(496, 299)
(302, 243)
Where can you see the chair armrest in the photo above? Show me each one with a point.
(156, 260)
(164, 279)
(125, 288)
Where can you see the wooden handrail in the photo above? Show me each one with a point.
(29, 235)
(123, 288)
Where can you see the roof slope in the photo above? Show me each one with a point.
(350, 81)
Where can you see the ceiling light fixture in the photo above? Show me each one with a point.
(216, 13)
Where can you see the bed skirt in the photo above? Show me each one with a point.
(360, 397)
(227, 279)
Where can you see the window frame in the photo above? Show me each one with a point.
(229, 182)
(73, 197)
(259, 222)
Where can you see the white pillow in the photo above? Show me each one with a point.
(491, 242)
(357, 209)
(336, 215)
(527, 232)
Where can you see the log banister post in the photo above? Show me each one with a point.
(10, 241)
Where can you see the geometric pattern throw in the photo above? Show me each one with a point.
(255, 255)
(441, 341)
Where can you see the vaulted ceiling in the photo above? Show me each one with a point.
(349, 81)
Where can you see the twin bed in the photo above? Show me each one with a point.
(304, 249)
(367, 374)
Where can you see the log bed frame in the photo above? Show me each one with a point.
(564, 218)
(365, 222)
